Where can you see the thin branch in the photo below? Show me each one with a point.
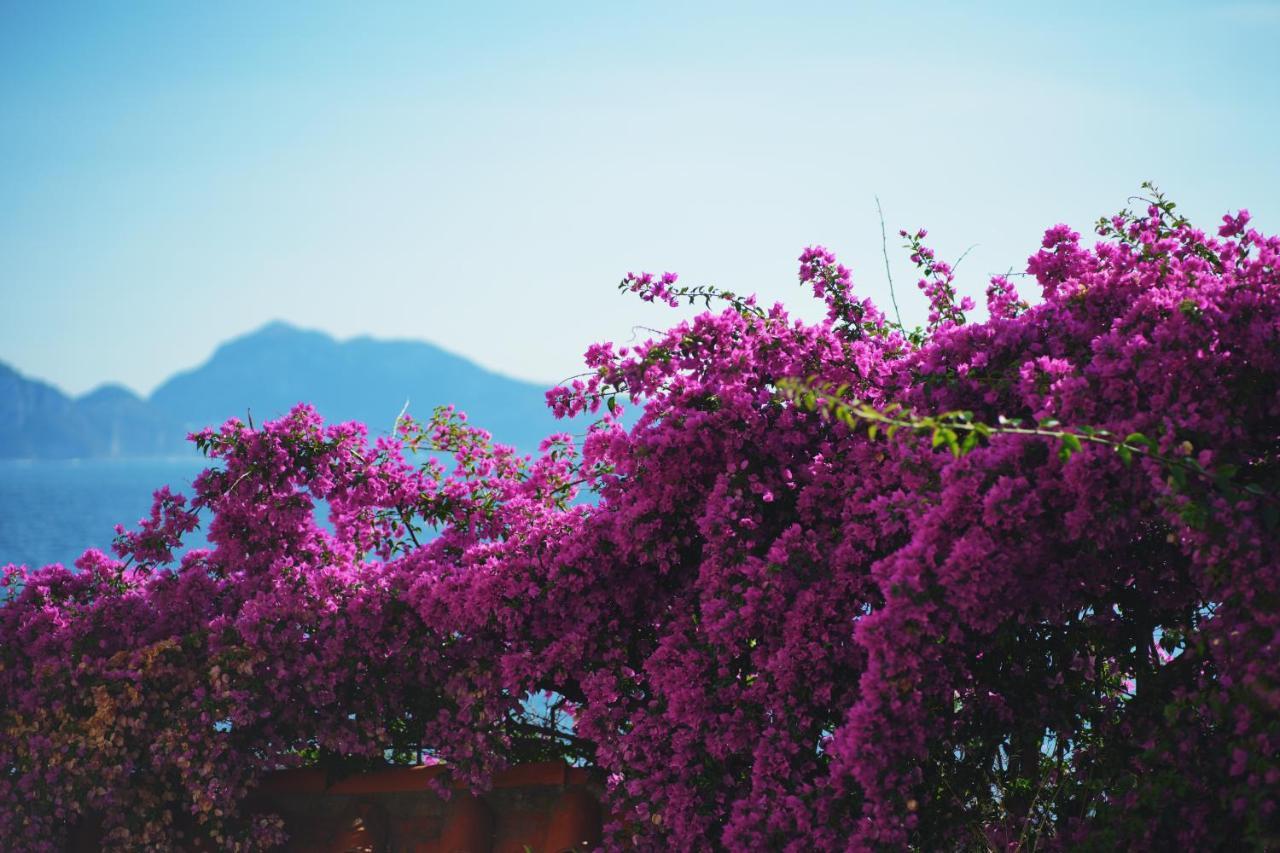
(646, 328)
(963, 255)
(231, 488)
(884, 249)
(408, 525)
(547, 731)
(395, 426)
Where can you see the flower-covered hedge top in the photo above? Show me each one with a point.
(841, 585)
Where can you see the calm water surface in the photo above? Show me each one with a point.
(51, 511)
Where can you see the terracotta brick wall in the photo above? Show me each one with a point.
(533, 808)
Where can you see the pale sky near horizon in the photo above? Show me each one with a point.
(481, 175)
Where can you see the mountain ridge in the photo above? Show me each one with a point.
(263, 373)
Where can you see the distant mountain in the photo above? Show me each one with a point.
(125, 425)
(264, 374)
(39, 421)
(267, 372)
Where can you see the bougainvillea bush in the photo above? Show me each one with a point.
(844, 585)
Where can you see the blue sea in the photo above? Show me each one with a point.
(51, 511)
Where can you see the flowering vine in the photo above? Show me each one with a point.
(1029, 599)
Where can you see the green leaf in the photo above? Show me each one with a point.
(952, 444)
(1137, 438)
(1070, 445)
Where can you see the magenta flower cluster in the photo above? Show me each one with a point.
(765, 629)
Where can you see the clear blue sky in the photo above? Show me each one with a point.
(481, 175)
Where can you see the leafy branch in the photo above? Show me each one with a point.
(960, 433)
(693, 294)
(1161, 213)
